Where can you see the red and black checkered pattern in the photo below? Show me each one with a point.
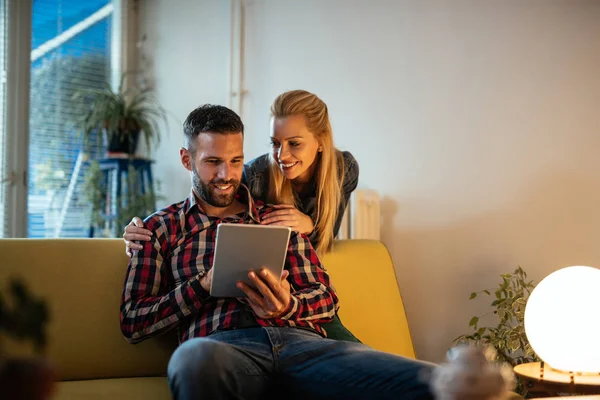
(162, 289)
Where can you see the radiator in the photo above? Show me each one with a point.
(362, 217)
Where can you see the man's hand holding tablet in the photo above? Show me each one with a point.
(272, 295)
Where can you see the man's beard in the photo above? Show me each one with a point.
(206, 190)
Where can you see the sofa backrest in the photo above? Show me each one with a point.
(371, 307)
(82, 280)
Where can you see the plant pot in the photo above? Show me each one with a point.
(121, 142)
(27, 378)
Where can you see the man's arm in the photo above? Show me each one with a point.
(313, 298)
(149, 305)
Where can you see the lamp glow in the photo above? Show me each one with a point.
(562, 319)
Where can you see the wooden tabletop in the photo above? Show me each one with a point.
(537, 371)
(542, 381)
(595, 397)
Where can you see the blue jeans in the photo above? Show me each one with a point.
(288, 363)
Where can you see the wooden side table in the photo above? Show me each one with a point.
(591, 397)
(544, 381)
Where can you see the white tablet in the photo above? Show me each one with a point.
(241, 248)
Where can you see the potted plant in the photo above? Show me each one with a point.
(23, 317)
(508, 337)
(119, 117)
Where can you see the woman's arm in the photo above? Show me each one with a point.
(288, 215)
(256, 177)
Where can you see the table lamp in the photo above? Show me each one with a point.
(562, 320)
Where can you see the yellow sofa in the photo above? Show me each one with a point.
(81, 280)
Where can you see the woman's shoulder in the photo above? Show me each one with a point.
(256, 176)
(258, 164)
(351, 171)
(349, 160)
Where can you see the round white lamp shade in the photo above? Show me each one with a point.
(562, 319)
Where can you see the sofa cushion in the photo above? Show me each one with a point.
(371, 307)
(126, 388)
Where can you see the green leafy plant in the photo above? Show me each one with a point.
(132, 202)
(120, 114)
(508, 336)
(22, 316)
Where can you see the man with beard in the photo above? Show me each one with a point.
(271, 340)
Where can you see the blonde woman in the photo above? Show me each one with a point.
(304, 175)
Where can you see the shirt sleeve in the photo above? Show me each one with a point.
(149, 303)
(313, 298)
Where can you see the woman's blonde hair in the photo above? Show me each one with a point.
(329, 170)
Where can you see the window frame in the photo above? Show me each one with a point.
(18, 56)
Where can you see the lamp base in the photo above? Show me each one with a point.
(544, 381)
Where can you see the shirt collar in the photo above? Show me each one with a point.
(243, 195)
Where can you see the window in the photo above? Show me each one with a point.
(5, 175)
(70, 50)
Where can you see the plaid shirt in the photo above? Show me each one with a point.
(162, 288)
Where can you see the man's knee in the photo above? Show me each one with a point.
(199, 358)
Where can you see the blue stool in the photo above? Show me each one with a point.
(115, 171)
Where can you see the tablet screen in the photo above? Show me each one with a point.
(241, 248)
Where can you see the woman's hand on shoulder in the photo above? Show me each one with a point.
(288, 215)
(135, 231)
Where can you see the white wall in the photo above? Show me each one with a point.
(187, 46)
(477, 122)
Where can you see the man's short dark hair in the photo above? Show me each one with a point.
(211, 118)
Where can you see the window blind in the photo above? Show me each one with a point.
(70, 51)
